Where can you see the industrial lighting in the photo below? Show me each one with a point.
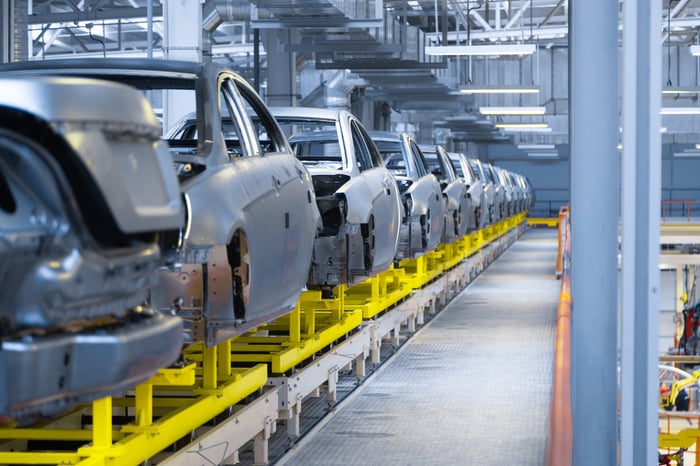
(486, 50)
(695, 50)
(697, 146)
(680, 90)
(536, 146)
(680, 110)
(512, 110)
(687, 153)
(531, 127)
(543, 155)
(498, 90)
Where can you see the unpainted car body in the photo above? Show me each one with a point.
(357, 197)
(86, 185)
(475, 190)
(510, 194)
(244, 255)
(490, 212)
(499, 197)
(421, 195)
(454, 191)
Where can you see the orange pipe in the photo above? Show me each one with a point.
(561, 421)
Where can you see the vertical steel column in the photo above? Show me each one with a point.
(593, 49)
(281, 67)
(641, 200)
(149, 28)
(183, 41)
(6, 12)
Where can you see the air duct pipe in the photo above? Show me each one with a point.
(216, 12)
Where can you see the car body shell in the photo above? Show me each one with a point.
(454, 191)
(244, 255)
(499, 196)
(348, 173)
(475, 190)
(86, 185)
(509, 192)
(422, 225)
(490, 212)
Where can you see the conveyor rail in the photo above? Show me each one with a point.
(176, 403)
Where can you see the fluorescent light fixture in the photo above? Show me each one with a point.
(663, 129)
(512, 110)
(491, 50)
(543, 155)
(695, 50)
(498, 90)
(536, 146)
(680, 110)
(687, 153)
(680, 90)
(619, 147)
(697, 146)
(529, 127)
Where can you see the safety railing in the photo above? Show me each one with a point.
(561, 423)
(668, 208)
(562, 227)
(679, 433)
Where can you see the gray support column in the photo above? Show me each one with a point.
(641, 202)
(281, 67)
(182, 41)
(20, 23)
(593, 40)
(6, 14)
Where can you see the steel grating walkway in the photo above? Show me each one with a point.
(471, 388)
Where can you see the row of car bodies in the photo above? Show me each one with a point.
(259, 205)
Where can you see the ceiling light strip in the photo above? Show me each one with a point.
(498, 90)
(484, 50)
(512, 110)
(680, 110)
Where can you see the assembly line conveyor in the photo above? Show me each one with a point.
(220, 399)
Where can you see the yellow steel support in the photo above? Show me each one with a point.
(181, 376)
(295, 355)
(38, 458)
(224, 359)
(295, 325)
(144, 404)
(138, 447)
(378, 293)
(102, 423)
(209, 368)
(550, 222)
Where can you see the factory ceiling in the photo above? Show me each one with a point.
(391, 49)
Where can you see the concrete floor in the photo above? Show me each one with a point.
(471, 388)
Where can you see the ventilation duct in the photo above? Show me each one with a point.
(216, 12)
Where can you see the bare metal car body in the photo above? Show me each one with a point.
(475, 190)
(457, 204)
(244, 255)
(491, 213)
(422, 224)
(509, 192)
(357, 197)
(499, 197)
(86, 185)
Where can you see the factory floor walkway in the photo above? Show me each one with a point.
(471, 388)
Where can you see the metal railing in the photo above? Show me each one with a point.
(560, 447)
(685, 206)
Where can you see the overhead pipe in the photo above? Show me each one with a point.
(217, 12)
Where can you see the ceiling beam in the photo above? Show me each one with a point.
(94, 15)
